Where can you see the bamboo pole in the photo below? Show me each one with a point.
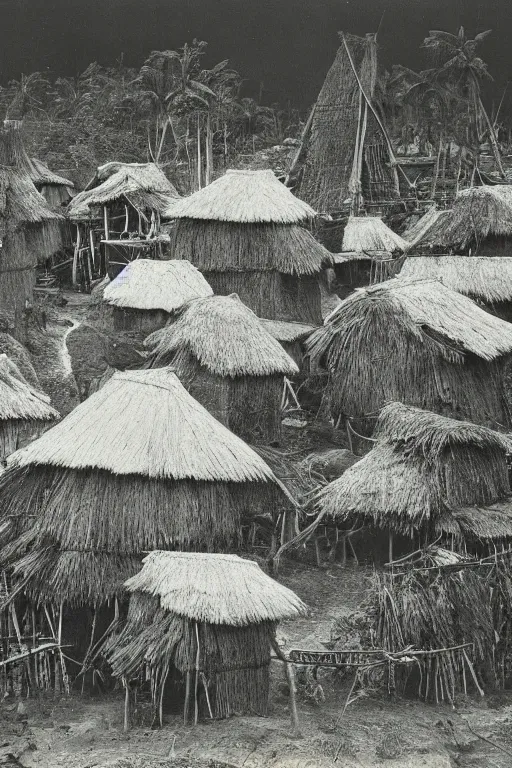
(196, 684)
(127, 717)
(290, 675)
(300, 150)
(105, 222)
(187, 698)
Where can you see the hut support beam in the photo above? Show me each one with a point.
(196, 683)
(187, 699)
(290, 676)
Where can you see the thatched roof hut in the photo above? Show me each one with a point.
(138, 465)
(229, 362)
(485, 279)
(244, 232)
(205, 616)
(24, 410)
(141, 185)
(347, 153)
(479, 223)
(427, 475)
(55, 189)
(147, 292)
(369, 234)
(29, 230)
(418, 342)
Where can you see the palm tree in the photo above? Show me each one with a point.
(25, 94)
(460, 64)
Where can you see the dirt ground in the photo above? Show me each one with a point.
(87, 731)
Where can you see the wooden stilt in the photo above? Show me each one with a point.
(127, 714)
(290, 675)
(187, 699)
(196, 684)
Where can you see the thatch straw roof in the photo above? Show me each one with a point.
(477, 213)
(42, 176)
(226, 337)
(148, 284)
(485, 278)
(369, 233)
(287, 332)
(418, 342)
(419, 231)
(143, 185)
(246, 197)
(146, 423)
(215, 589)
(423, 305)
(427, 472)
(20, 202)
(20, 400)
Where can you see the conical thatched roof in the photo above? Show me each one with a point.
(146, 423)
(226, 337)
(245, 197)
(20, 400)
(485, 278)
(427, 472)
(143, 185)
(418, 342)
(287, 332)
(215, 589)
(476, 214)
(42, 176)
(149, 284)
(369, 233)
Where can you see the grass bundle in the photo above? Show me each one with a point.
(245, 197)
(142, 185)
(482, 278)
(417, 342)
(205, 616)
(138, 465)
(427, 475)
(438, 609)
(229, 363)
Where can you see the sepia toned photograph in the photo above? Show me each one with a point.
(255, 384)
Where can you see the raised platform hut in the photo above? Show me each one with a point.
(245, 232)
(148, 292)
(56, 189)
(485, 279)
(138, 465)
(478, 224)
(229, 362)
(29, 230)
(205, 625)
(117, 218)
(426, 477)
(417, 342)
(24, 410)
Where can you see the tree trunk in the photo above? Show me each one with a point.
(199, 159)
(209, 149)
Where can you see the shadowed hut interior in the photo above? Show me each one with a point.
(244, 232)
(205, 622)
(417, 342)
(229, 362)
(147, 292)
(427, 476)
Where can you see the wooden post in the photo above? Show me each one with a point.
(127, 714)
(290, 675)
(196, 685)
(390, 546)
(105, 222)
(187, 699)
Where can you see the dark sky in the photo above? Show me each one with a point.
(286, 44)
